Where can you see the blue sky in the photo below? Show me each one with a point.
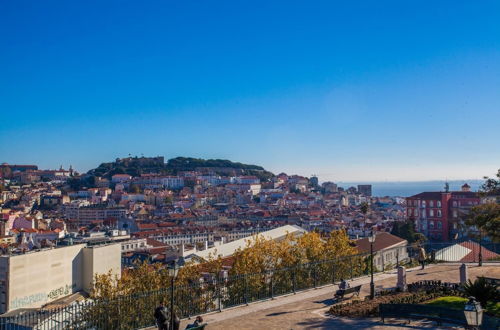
(374, 90)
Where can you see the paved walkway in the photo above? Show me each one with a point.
(308, 309)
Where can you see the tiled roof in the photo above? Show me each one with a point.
(383, 240)
(428, 195)
(473, 255)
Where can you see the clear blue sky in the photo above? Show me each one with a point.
(381, 90)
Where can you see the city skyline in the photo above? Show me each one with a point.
(323, 177)
(348, 92)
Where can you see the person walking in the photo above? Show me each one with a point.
(161, 316)
(421, 256)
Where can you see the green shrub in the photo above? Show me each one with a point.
(481, 290)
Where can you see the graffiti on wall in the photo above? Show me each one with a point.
(28, 300)
(59, 292)
(42, 297)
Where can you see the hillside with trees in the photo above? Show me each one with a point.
(135, 166)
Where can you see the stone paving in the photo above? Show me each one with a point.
(308, 309)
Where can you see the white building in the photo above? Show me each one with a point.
(225, 250)
(36, 278)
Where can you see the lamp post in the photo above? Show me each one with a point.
(371, 239)
(173, 270)
(473, 313)
(480, 248)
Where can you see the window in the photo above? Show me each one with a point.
(439, 204)
(431, 224)
(431, 203)
(439, 214)
(439, 224)
(410, 212)
(454, 203)
(455, 214)
(424, 204)
(431, 213)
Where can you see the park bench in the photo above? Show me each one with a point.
(492, 280)
(340, 294)
(416, 312)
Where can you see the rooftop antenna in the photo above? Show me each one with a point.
(446, 186)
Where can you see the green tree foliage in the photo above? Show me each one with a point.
(169, 200)
(486, 217)
(406, 230)
(491, 186)
(135, 167)
(5, 172)
(264, 266)
(134, 189)
(482, 291)
(364, 207)
(78, 183)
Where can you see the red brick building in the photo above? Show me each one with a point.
(440, 215)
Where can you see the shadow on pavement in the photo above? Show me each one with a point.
(345, 323)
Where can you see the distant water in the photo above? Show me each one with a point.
(409, 188)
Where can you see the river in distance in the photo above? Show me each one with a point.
(409, 188)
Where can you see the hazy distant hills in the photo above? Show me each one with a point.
(135, 166)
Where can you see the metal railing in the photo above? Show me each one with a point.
(216, 292)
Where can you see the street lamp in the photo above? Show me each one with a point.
(480, 248)
(173, 270)
(473, 313)
(371, 239)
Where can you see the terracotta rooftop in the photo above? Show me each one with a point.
(383, 241)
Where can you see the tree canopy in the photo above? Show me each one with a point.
(136, 167)
(486, 217)
(406, 230)
(491, 186)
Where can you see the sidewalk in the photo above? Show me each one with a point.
(308, 309)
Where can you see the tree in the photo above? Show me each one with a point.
(5, 172)
(486, 217)
(482, 291)
(364, 207)
(406, 230)
(134, 189)
(291, 262)
(491, 186)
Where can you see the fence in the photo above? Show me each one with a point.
(216, 292)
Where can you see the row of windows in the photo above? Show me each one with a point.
(432, 203)
(435, 225)
(424, 203)
(430, 213)
(470, 203)
(132, 246)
